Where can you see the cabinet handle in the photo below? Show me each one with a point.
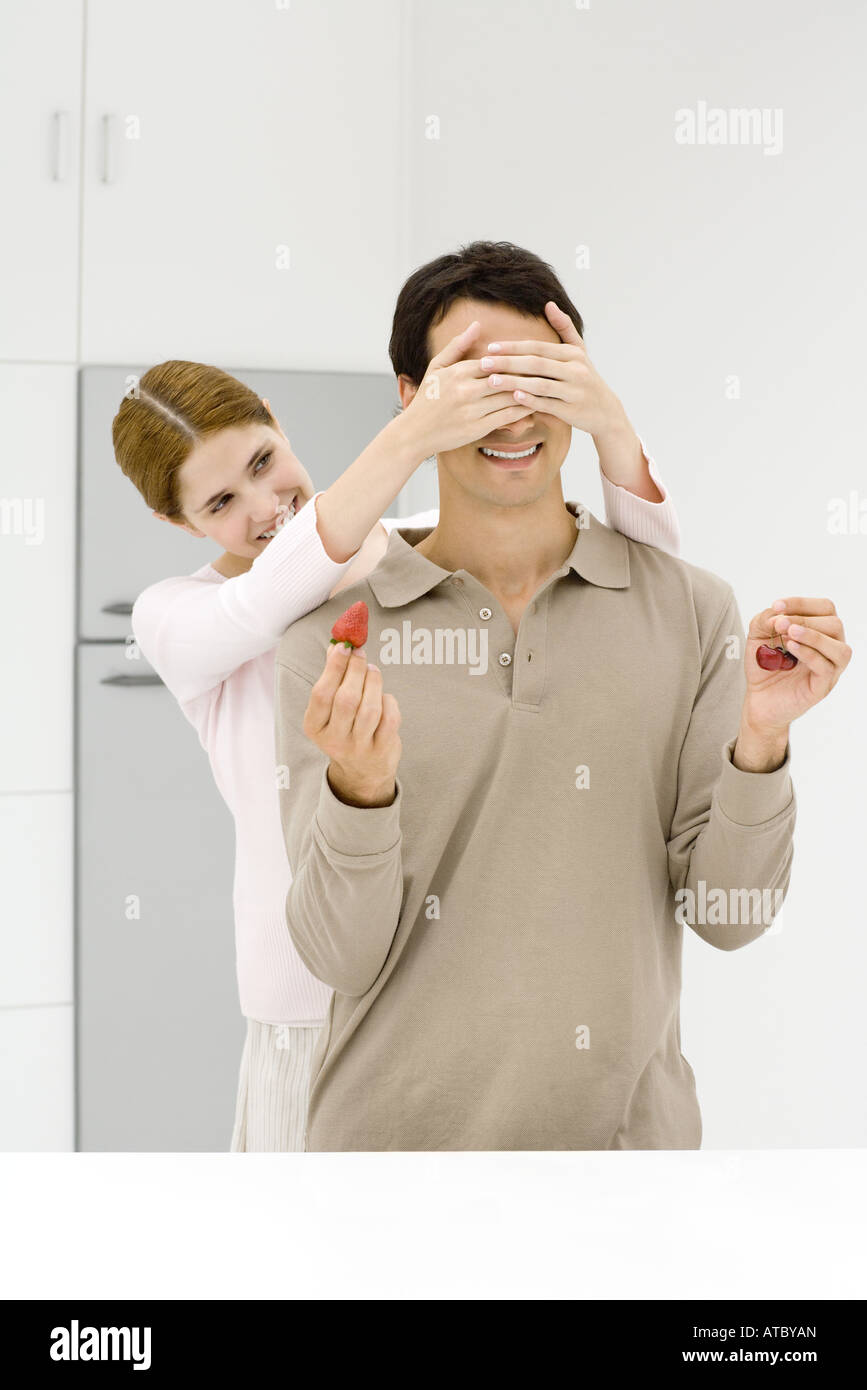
(107, 171)
(59, 146)
(124, 608)
(131, 680)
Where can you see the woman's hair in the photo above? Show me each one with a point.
(497, 271)
(170, 410)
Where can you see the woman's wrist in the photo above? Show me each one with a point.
(411, 439)
(622, 460)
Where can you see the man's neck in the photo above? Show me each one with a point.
(511, 550)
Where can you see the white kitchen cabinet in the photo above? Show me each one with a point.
(36, 925)
(243, 182)
(37, 1107)
(37, 576)
(40, 110)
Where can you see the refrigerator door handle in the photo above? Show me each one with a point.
(131, 680)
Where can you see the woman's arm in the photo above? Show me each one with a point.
(376, 545)
(367, 559)
(627, 505)
(349, 510)
(195, 632)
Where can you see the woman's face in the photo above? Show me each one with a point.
(239, 483)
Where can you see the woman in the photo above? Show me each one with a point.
(208, 455)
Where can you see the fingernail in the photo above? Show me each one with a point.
(796, 629)
(493, 347)
(779, 603)
(488, 362)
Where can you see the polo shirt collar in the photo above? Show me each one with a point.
(599, 555)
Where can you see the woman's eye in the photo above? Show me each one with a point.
(265, 459)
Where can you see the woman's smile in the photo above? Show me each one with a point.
(286, 514)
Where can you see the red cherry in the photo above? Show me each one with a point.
(769, 658)
(775, 658)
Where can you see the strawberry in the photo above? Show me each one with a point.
(351, 626)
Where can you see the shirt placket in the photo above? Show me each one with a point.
(516, 662)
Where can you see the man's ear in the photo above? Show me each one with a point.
(407, 388)
(184, 525)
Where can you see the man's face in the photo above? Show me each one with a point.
(498, 481)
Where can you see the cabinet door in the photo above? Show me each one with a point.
(37, 577)
(37, 1103)
(36, 945)
(242, 180)
(40, 100)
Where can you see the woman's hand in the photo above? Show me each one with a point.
(455, 403)
(350, 719)
(557, 379)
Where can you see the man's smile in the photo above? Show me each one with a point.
(511, 455)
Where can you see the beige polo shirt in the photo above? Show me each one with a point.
(504, 940)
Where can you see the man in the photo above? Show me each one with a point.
(580, 753)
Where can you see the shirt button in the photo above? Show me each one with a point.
(484, 612)
(505, 659)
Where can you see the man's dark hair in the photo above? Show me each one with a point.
(497, 271)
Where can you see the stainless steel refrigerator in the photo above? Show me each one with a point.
(159, 1031)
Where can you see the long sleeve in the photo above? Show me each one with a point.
(344, 903)
(731, 830)
(653, 523)
(196, 634)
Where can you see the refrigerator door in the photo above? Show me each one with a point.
(159, 1031)
(329, 417)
